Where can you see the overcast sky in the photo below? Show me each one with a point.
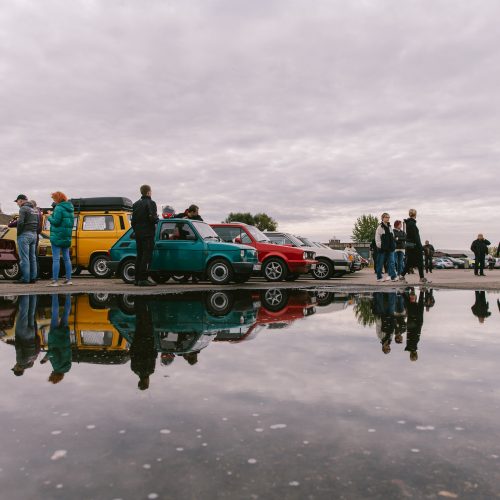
(313, 111)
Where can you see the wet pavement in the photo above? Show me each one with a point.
(270, 393)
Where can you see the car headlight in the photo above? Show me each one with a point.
(242, 254)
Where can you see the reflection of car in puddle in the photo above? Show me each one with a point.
(282, 306)
(188, 322)
(93, 337)
(332, 301)
(8, 310)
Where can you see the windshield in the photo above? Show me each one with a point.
(3, 230)
(257, 235)
(205, 231)
(307, 242)
(296, 242)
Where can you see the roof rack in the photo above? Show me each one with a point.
(101, 203)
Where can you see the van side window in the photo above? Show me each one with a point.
(98, 223)
(122, 223)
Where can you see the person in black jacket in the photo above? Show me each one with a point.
(480, 309)
(414, 249)
(428, 254)
(192, 212)
(480, 249)
(399, 254)
(144, 219)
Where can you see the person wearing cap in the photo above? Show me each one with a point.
(27, 235)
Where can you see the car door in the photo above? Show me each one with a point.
(178, 248)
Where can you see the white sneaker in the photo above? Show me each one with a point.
(67, 282)
(53, 283)
(380, 279)
(388, 278)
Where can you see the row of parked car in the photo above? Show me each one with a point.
(103, 243)
(463, 263)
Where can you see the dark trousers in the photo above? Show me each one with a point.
(428, 264)
(479, 264)
(414, 257)
(144, 255)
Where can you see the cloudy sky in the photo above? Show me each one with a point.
(314, 112)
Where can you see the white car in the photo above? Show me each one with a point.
(330, 262)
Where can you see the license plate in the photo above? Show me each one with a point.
(257, 267)
(313, 266)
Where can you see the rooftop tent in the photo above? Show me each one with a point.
(101, 203)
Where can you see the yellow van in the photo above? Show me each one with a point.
(98, 224)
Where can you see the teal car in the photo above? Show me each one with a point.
(187, 246)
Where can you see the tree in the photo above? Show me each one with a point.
(265, 223)
(364, 228)
(261, 220)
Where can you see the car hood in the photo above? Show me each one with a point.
(222, 245)
(272, 247)
(325, 252)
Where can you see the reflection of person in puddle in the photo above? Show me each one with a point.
(400, 317)
(59, 341)
(415, 311)
(481, 307)
(384, 307)
(429, 299)
(26, 340)
(142, 351)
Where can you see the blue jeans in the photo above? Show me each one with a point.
(381, 258)
(56, 254)
(54, 319)
(26, 246)
(399, 261)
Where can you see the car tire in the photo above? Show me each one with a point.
(126, 304)
(99, 266)
(13, 272)
(219, 303)
(274, 299)
(324, 298)
(274, 269)
(219, 272)
(127, 271)
(323, 271)
(99, 300)
(159, 278)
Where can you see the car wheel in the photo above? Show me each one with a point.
(324, 298)
(219, 303)
(99, 266)
(323, 270)
(99, 300)
(220, 272)
(126, 304)
(159, 278)
(13, 272)
(274, 299)
(127, 271)
(274, 269)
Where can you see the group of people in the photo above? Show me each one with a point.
(399, 250)
(29, 226)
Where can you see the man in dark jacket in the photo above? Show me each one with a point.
(428, 255)
(144, 219)
(480, 249)
(192, 212)
(481, 306)
(414, 249)
(27, 235)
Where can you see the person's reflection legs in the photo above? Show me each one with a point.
(27, 347)
(59, 340)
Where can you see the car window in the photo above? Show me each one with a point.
(98, 223)
(176, 231)
(46, 224)
(227, 234)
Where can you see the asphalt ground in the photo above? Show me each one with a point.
(460, 279)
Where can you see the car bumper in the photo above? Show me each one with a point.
(341, 265)
(302, 267)
(247, 267)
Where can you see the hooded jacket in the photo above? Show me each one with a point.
(28, 219)
(61, 224)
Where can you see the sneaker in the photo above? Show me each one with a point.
(394, 280)
(424, 280)
(53, 283)
(380, 279)
(67, 282)
(388, 278)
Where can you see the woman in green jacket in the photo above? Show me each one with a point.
(61, 232)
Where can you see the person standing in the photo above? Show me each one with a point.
(480, 309)
(27, 227)
(144, 219)
(428, 255)
(414, 249)
(61, 233)
(480, 249)
(399, 254)
(384, 240)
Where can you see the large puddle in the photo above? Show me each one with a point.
(268, 394)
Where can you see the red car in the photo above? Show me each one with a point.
(278, 262)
